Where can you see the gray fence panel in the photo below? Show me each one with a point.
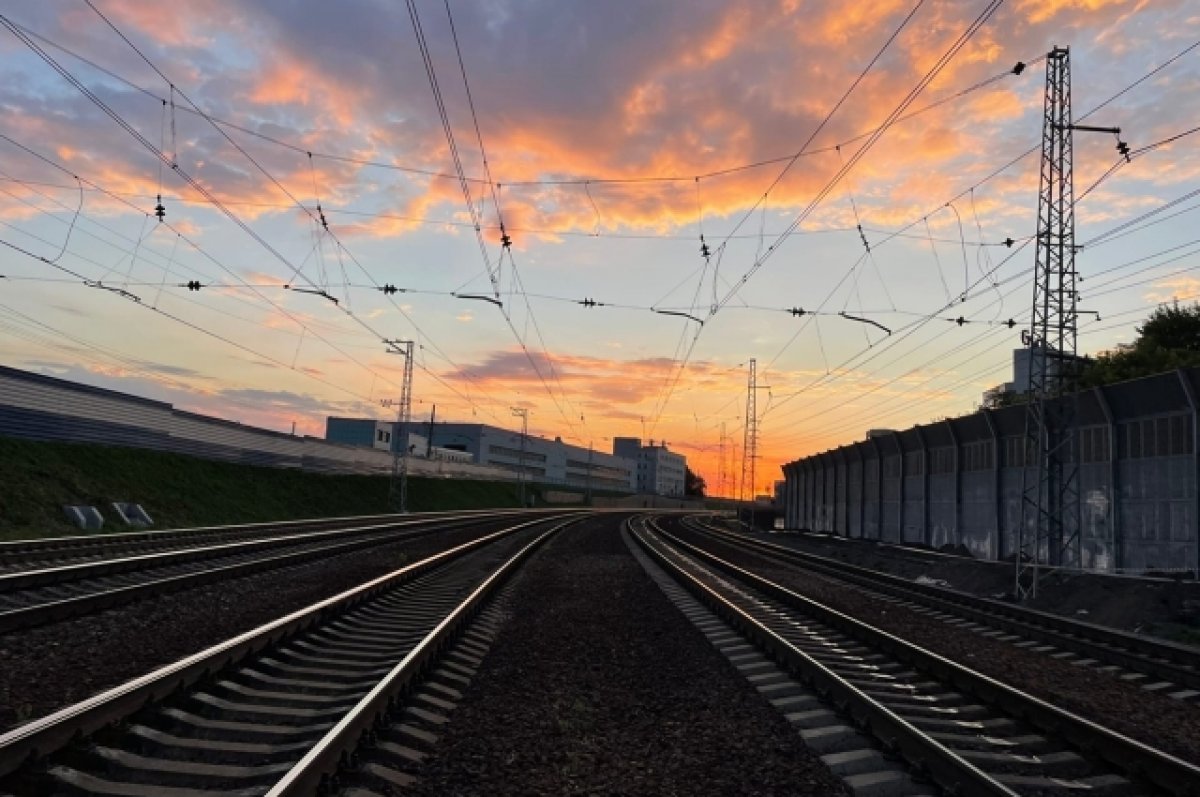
(943, 510)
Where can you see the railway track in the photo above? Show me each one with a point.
(36, 596)
(863, 697)
(276, 710)
(1158, 665)
(36, 554)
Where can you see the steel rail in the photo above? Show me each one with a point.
(66, 608)
(929, 756)
(1166, 660)
(1137, 759)
(52, 732)
(31, 579)
(315, 770)
(78, 546)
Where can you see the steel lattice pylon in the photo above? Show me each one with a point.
(750, 440)
(1048, 531)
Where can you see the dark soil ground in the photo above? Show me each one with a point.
(46, 668)
(598, 685)
(1158, 720)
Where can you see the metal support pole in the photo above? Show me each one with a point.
(588, 499)
(523, 414)
(398, 486)
(429, 439)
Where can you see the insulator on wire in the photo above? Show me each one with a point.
(159, 210)
(1123, 149)
(389, 289)
(505, 241)
(705, 252)
(1019, 68)
(1009, 242)
(193, 285)
(797, 311)
(588, 302)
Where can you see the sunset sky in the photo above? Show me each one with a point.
(616, 135)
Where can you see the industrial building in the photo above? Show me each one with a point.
(659, 471)
(38, 407)
(539, 459)
(960, 481)
(381, 435)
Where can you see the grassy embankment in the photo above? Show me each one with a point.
(37, 479)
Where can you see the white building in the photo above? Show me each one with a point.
(537, 458)
(659, 471)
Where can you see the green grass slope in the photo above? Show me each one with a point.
(37, 478)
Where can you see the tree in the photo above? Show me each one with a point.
(693, 483)
(1169, 339)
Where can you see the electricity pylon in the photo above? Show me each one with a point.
(1049, 529)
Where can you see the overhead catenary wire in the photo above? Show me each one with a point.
(306, 325)
(678, 371)
(571, 180)
(731, 306)
(187, 178)
(1022, 242)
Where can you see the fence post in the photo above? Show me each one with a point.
(1114, 484)
(926, 532)
(1189, 390)
(997, 495)
(957, 482)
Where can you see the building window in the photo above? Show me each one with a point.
(515, 453)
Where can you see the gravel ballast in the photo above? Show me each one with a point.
(46, 668)
(598, 685)
(1159, 721)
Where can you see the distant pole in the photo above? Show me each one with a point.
(750, 444)
(398, 486)
(588, 500)
(721, 462)
(523, 414)
(429, 438)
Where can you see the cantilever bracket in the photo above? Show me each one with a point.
(479, 297)
(849, 317)
(681, 314)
